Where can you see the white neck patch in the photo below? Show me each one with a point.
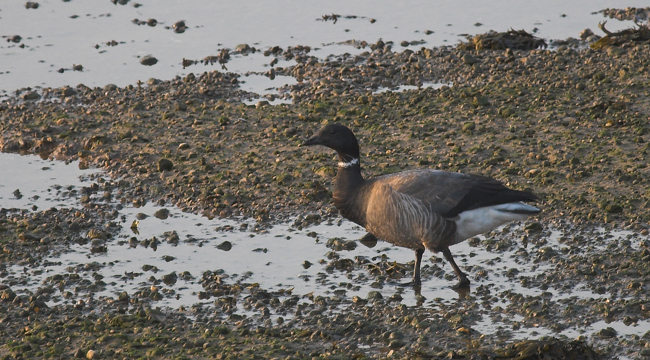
(351, 163)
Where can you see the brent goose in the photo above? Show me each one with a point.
(422, 208)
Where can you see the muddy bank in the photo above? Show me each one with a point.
(571, 124)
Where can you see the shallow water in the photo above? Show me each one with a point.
(60, 34)
(39, 182)
(272, 258)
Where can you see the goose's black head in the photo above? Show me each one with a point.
(339, 138)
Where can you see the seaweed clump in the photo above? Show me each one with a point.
(511, 39)
(640, 34)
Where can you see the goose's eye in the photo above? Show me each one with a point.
(332, 131)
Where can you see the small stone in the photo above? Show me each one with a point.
(133, 242)
(534, 172)
(164, 165)
(359, 301)
(534, 227)
(170, 279)
(31, 5)
(68, 91)
(243, 48)
(469, 59)
(374, 295)
(306, 264)
(584, 34)
(7, 295)
(141, 216)
(183, 146)
(91, 355)
(225, 246)
(31, 95)
(614, 208)
(607, 332)
(179, 27)
(161, 214)
(148, 60)
(469, 126)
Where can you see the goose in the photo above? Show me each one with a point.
(422, 208)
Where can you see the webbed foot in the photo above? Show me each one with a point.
(463, 284)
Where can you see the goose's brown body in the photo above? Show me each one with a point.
(420, 209)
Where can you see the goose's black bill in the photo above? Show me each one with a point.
(314, 140)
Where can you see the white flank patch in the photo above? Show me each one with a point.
(478, 221)
(351, 163)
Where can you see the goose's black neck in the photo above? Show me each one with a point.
(348, 189)
(349, 174)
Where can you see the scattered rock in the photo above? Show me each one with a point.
(225, 246)
(165, 165)
(14, 38)
(161, 214)
(179, 27)
(30, 95)
(148, 60)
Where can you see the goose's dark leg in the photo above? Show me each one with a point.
(416, 270)
(463, 280)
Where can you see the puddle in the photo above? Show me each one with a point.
(403, 88)
(268, 88)
(181, 247)
(518, 332)
(102, 38)
(27, 181)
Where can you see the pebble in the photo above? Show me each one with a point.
(165, 165)
(68, 91)
(14, 38)
(31, 95)
(469, 59)
(586, 33)
(148, 60)
(179, 27)
(161, 214)
(225, 246)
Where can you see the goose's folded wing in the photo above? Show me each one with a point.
(449, 193)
